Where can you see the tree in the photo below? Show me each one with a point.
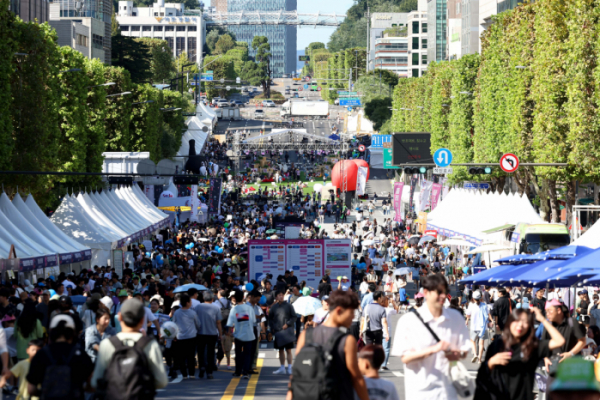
(224, 44)
(8, 45)
(115, 29)
(372, 87)
(162, 65)
(132, 55)
(387, 77)
(261, 45)
(211, 40)
(378, 110)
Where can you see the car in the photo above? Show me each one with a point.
(237, 103)
(259, 114)
(268, 103)
(222, 103)
(336, 102)
(215, 100)
(287, 91)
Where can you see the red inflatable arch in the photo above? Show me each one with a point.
(351, 171)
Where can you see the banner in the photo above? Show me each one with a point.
(338, 260)
(436, 189)
(214, 197)
(305, 258)
(195, 203)
(398, 187)
(361, 181)
(424, 195)
(149, 190)
(413, 184)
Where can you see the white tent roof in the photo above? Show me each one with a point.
(73, 220)
(111, 213)
(137, 192)
(136, 204)
(43, 220)
(126, 209)
(32, 232)
(116, 210)
(206, 113)
(591, 237)
(195, 132)
(359, 124)
(468, 213)
(101, 220)
(129, 207)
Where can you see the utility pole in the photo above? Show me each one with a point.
(368, 37)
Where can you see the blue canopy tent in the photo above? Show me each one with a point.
(512, 260)
(496, 275)
(334, 137)
(562, 253)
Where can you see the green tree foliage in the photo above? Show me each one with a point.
(118, 109)
(96, 111)
(388, 78)
(224, 44)
(260, 44)
(133, 55)
(371, 87)
(211, 40)
(162, 65)
(378, 111)
(8, 47)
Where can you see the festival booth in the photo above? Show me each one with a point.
(109, 221)
(169, 205)
(467, 214)
(590, 238)
(207, 116)
(358, 124)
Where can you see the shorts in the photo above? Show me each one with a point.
(288, 346)
(475, 335)
(227, 343)
(405, 302)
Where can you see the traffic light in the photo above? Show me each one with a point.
(415, 170)
(480, 170)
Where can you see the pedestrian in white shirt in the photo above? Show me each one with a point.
(426, 359)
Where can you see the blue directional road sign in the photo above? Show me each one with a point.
(305, 86)
(442, 157)
(349, 108)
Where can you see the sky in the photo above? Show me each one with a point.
(306, 34)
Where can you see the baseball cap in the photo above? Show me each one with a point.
(107, 301)
(477, 295)
(122, 293)
(69, 322)
(65, 300)
(132, 312)
(584, 291)
(575, 374)
(553, 303)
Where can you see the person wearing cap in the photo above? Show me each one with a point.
(253, 299)
(62, 344)
(478, 313)
(582, 308)
(575, 379)
(131, 318)
(573, 332)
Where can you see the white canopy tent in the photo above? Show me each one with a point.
(358, 123)
(194, 131)
(467, 213)
(591, 237)
(207, 116)
(103, 223)
(137, 193)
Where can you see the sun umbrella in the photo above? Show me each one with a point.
(367, 242)
(402, 271)
(414, 239)
(307, 305)
(426, 239)
(189, 286)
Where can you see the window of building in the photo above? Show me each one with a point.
(156, 14)
(135, 28)
(415, 58)
(415, 27)
(169, 28)
(457, 7)
(415, 73)
(424, 27)
(181, 29)
(415, 43)
(192, 49)
(180, 41)
(191, 29)
(394, 25)
(146, 28)
(124, 28)
(97, 41)
(81, 40)
(169, 42)
(424, 59)
(158, 28)
(423, 43)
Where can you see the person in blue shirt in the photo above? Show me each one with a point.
(403, 299)
(368, 299)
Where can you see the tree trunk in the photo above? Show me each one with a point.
(571, 194)
(541, 194)
(554, 205)
(522, 181)
(499, 183)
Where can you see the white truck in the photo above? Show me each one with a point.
(301, 108)
(228, 113)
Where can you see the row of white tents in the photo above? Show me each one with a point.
(109, 220)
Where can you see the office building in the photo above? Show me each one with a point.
(391, 53)
(84, 25)
(30, 10)
(394, 23)
(282, 38)
(455, 9)
(219, 5)
(437, 20)
(470, 27)
(418, 41)
(164, 21)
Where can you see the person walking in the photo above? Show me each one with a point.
(241, 320)
(426, 359)
(376, 320)
(210, 331)
(282, 316)
(189, 325)
(478, 313)
(94, 334)
(508, 371)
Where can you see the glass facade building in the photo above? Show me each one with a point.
(437, 20)
(282, 38)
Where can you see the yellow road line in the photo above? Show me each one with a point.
(251, 389)
(230, 391)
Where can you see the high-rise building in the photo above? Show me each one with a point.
(219, 5)
(282, 38)
(418, 41)
(30, 10)
(437, 20)
(84, 25)
(164, 21)
(470, 27)
(395, 25)
(455, 9)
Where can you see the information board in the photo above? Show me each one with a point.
(411, 147)
(214, 196)
(305, 258)
(349, 101)
(338, 259)
(266, 257)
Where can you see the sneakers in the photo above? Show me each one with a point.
(384, 368)
(474, 359)
(236, 375)
(209, 376)
(281, 370)
(245, 377)
(177, 379)
(229, 367)
(289, 369)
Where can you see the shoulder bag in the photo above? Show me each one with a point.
(459, 375)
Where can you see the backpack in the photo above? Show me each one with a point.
(57, 379)
(225, 312)
(128, 372)
(314, 376)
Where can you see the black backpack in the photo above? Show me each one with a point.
(57, 379)
(128, 375)
(314, 373)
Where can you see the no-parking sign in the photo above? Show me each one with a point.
(361, 147)
(509, 163)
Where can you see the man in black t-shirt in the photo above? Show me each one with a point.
(502, 308)
(569, 328)
(540, 301)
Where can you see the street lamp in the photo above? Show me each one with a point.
(103, 84)
(70, 70)
(143, 102)
(170, 109)
(118, 94)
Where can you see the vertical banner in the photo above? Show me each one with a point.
(118, 262)
(436, 189)
(424, 195)
(266, 257)
(445, 188)
(413, 184)
(398, 187)
(338, 260)
(305, 258)
(149, 190)
(194, 203)
(361, 181)
(214, 197)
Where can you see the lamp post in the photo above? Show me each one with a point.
(119, 94)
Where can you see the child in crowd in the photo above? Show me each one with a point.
(370, 359)
(21, 370)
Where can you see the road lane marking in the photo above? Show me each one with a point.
(230, 390)
(398, 374)
(251, 388)
(261, 355)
